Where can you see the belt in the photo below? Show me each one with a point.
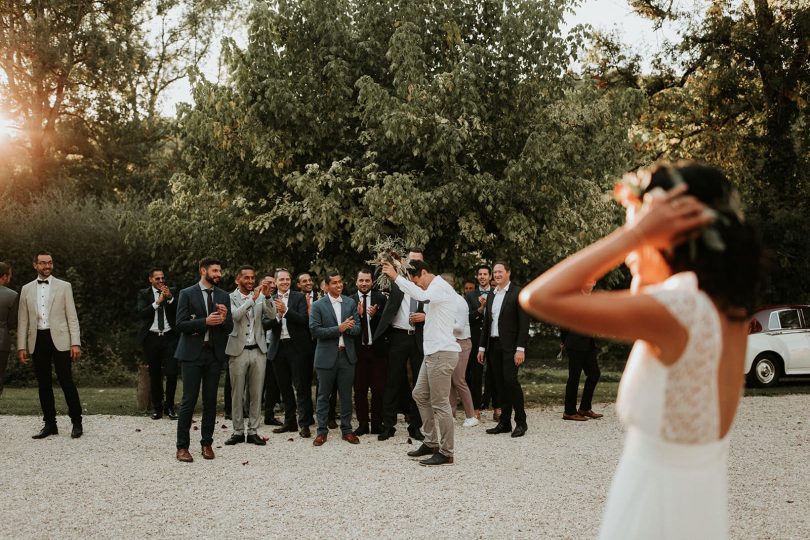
(251, 347)
(401, 331)
(160, 333)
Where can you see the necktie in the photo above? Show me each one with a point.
(210, 301)
(41, 281)
(364, 321)
(161, 318)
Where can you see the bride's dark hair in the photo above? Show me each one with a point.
(727, 255)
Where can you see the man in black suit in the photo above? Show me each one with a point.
(291, 349)
(157, 312)
(369, 372)
(477, 302)
(504, 335)
(272, 393)
(581, 352)
(204, 322)
(401, 326)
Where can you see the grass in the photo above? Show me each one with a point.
(542, 386)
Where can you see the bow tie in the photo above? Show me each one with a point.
(45, 281)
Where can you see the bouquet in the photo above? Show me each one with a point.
(388, 250)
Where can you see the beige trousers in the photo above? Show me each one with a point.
(247, 381)
(431, 396)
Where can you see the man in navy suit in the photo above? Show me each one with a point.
(335, 323)
(204, 322)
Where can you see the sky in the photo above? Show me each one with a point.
(604, 15)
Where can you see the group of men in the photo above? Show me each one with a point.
(271, 338)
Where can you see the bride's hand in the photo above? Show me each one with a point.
(666, 217)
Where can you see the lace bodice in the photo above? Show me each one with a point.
(679, 402)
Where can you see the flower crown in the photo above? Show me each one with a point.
(629, 193)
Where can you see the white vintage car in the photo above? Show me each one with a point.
(778, 344)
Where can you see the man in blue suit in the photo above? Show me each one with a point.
(334, 322)
(204, 322)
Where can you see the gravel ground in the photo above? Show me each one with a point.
(121, 480)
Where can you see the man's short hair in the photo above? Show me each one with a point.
(154, 269)
(365, 270)
(482, 267)
(416, 250)
(42, 252)
(206, 262)
(5, 268)
(243, 268)
(298, 278)
(415, 268)
(280, 270)
(504, 264)
(331, 274)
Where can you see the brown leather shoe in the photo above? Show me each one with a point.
(577, 417)
(207, 452)
(319, 440)
(184, 455)
(590, 414)
(351, 438)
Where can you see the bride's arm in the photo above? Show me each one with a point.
(556, 296)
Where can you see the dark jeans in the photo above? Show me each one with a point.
(579, 361)
(45, 355)
(369, 374)
(507, 385)
(342, 376)
(291, 370)
(159, 354)
(474, 376)
(272, 393)
(402, 349)
(201, 374)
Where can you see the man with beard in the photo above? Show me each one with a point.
(204, 322)
(307, 288)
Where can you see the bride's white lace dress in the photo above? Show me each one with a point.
(671, 479)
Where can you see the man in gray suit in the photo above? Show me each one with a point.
(48, 330)
(334, 322)
(246, 350)
(8, 318)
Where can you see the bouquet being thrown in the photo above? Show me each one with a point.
(388, 250)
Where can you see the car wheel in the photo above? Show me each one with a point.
(765, 371)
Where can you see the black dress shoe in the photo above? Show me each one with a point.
(423, 450)
(362, 429)
(228, 416)
(157, 415)
(235, 439)
(47, 429)
(76, 432)
(386, 434)
(285, 429)
(305, 432)
(171, 413)
(437, 459)
(519, 431)
(376, 430)
(255, 439)
(416, 433)
(500, 428)
(271, 421)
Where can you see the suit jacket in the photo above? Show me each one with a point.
(476, 319)
(62, 318)
(513, 322)
(191, 314)
(239, 312)
(577, 342)
(297, 325)
(9, 304)
(146, 313)
(390, 311)
(378, 298)
(324, 327)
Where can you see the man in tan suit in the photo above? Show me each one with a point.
(49, 331)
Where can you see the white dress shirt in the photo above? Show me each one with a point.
(336, 305)
(285, 297)
(497, 303)
(166, 326)
(248, 298)
(461, 324)
(365, 313)
(403, 316)
(203, 288)
(438, 333)
(43, 295)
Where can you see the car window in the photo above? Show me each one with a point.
(806, 317)
(786, 319)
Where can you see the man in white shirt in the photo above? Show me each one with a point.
(441, 356)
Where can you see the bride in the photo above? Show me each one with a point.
(696, 273)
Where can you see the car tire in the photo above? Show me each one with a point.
(765, 371)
